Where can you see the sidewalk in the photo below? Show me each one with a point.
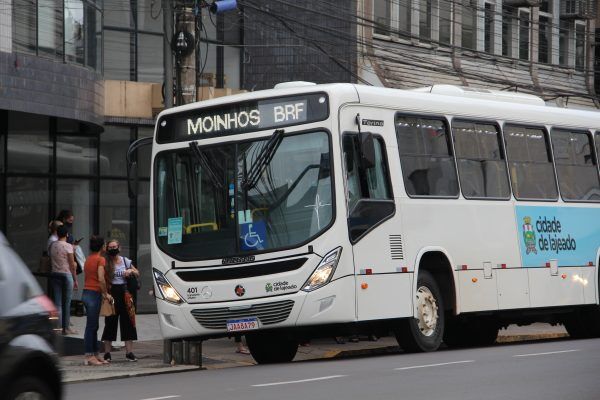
(220, 353)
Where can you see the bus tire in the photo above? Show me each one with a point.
(425, 332)
(269, 348)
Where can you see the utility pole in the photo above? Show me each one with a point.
(167, 53)
(184, 43)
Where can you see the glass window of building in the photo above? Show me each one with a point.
(76, 155)
(488, 25)
(404, 16)
(469, 25)
(445, 36)
(143, 244)
(579, 46)
(27, 216)
(425, 19)
(50, 34)
(29, 145)
(150, 16)
(74, 31)
(114, 142)
(117, 55)
(524, 27)
(509, 26)
(24, 26)
(382, 16)
(545, 39)
(115, 213)
(150, 58)
(93, 36)
(564, 44)
(118, 14)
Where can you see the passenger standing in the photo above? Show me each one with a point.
(93, 292)
(118, 269)
(52, 227)
(63, 278)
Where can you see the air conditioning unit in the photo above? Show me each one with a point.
(578, 9)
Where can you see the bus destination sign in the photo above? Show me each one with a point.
(237, 118)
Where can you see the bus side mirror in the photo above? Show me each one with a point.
(367, 150)
(132, 165)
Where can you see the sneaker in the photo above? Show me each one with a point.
(130, 357)
(107, 357)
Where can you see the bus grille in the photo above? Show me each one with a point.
(267, 313)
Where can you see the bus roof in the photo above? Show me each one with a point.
(437, 100)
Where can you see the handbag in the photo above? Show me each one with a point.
(107, 308)
(133, 283)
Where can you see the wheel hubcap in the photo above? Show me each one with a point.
(427, 310)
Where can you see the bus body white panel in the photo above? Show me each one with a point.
(385, 296)
(555, 290)
(476, 292)
(588, 279)
(471, 233)
(513, 288)
(329, 304)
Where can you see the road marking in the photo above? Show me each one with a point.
(434, 365)
(164, 397)
(300, 381)
(543, 354)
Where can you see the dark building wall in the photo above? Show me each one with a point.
(33, 84)
(291, 41)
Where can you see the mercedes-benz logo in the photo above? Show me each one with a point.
(240, 291)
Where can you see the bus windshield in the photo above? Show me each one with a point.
(205, 208)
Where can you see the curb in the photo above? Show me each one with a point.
(161, 371)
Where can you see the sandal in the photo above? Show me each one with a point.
(91, 361)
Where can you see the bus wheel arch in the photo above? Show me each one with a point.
(437, 263)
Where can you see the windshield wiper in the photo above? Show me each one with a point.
(205, 164)
(263, 159)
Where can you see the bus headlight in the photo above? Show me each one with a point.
(324, 271)
(165, 289)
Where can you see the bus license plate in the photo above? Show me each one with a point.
(246, 324)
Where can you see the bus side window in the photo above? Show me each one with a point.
(530, 164)
(575, 165)
(481, 166)
(426, 158)
(368, 191)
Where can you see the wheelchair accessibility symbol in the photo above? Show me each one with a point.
(253, 236)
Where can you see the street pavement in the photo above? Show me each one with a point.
(536, 370)
(220, 353)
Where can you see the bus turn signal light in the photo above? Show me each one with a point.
(364, 285)
(474, 280)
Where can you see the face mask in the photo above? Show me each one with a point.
(112, 252)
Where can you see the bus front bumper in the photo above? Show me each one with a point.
(333, 303)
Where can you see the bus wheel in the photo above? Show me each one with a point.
(425, 332)
(269, 348)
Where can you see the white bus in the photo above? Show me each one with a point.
(439, 215)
